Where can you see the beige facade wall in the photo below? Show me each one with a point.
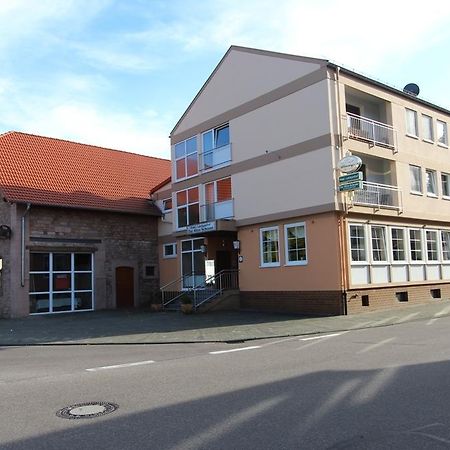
(322, 271)
(303, 181)
(169, 268)
(258, 74)
(411, 150)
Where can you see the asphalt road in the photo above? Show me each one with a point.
(378, 388)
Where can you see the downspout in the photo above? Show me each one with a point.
(342, 222)
(22, 246)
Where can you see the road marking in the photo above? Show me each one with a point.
(219, 352)
(120, 366)
(384, 320)
(431, 321)
(320, 337)
(280, 341)
(378, 344)
(442, 311)
(360, 325)
(406, 318)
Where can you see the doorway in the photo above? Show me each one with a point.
(124, 287)
(223, 260)
(192, 263)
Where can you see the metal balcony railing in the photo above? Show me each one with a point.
(218, 210)
(215, 158)
(379, 196)
(369, 130)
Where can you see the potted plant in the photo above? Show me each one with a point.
(187, 306)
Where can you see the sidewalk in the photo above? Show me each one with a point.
(139, 327)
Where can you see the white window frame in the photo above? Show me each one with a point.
(198, 202)
(261, 247)
(431, 173)
(422, 247)
(442, 250)
(386, 246)
(72, 290)
(366, 247)
(164, 210)
(436, 233)
(427, 126)
(413, 191)
(412, 133)
(172, 245)
(184, 157)
(447, 177)
(444, 142)
(288, 262)
(405, 245)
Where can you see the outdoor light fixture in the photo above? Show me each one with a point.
(236, 245)
(203, 249)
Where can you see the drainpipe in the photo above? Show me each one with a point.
(342, 222)
(22, 246)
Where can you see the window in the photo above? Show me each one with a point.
(431, 183)
(427, 128)
(218, 200)
(441, 131)
(149, 271)
(358, 243)
(415, 173)
(295, 244)
(432, 245)
(398, 244)
(187, 207)
(167, 205)
(415, 245)
(61, 282)
(186, 158)
(379, 253)
(445, 179)
(215, 145)
(269, 247)
(445, 241)
(170, 250)
(411, 122)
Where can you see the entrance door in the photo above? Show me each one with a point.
(223, 260)
(192, 263)
(124, 287)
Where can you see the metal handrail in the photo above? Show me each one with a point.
(378, 133)
(212, 151)
(180, 293)
(379, 195)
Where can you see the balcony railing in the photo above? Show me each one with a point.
(368, 130)
(215, 158)
(218, 210)
(379, 196)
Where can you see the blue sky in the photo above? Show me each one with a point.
(119, 74)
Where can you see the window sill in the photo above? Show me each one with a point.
(296, 263)
(428, 141)
(442, 145)
(445, 197)
(413, 136)
(268, 266)
(416, 193)
(430, 195)
(170, 257)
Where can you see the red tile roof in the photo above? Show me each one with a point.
(47, 171)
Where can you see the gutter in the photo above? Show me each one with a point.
(22, 246)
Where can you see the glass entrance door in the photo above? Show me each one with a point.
(192, 263)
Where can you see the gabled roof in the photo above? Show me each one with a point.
(54, 172)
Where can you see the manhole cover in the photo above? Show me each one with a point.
(87, 410)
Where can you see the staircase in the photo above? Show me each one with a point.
(209, 290)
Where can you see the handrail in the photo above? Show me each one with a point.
(180, 293)
(379, 195)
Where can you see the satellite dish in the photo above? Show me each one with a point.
(411, 89)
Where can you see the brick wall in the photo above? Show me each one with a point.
(298, 302)
(386, 298)
(5, 255)
(115, 239)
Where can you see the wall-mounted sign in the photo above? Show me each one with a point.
(353, 186)
(201, 227)
(349, 164)
(355, 176)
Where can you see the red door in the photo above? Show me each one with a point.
(124, 287)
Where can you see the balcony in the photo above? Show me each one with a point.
(368, 130)
(215, 158)
(218, 210)
(378, 196)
